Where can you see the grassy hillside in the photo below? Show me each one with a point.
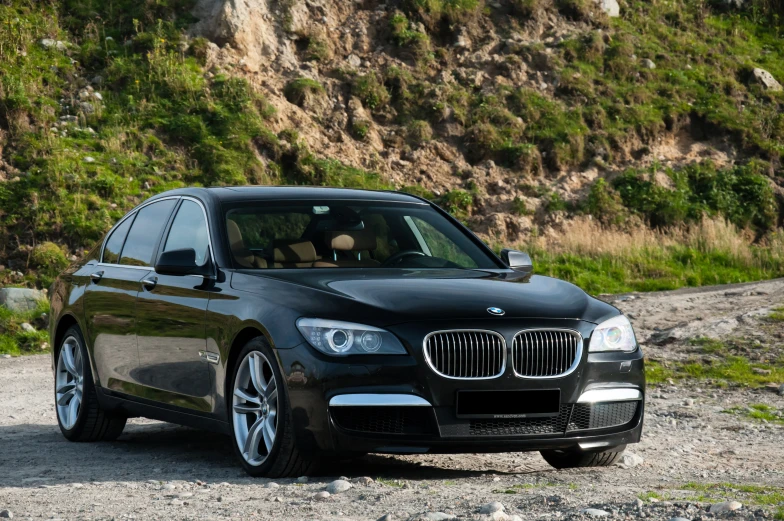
(104, 103)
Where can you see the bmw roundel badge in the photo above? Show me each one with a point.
(496, 311)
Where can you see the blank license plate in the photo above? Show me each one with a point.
(508, 404)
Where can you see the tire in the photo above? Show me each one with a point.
(85, 420)
(251, 407)
(571, 459)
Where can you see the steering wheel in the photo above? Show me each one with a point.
(397, 257)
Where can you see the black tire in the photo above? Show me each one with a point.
(93, 423)
(284, 460)
(570, 459)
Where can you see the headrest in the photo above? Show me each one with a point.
(294, 251)
(354, 240)
(243, 255)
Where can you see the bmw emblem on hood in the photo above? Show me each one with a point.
(496, 311)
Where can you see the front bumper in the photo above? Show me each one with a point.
(425, 421)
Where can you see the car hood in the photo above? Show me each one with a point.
(396, 296)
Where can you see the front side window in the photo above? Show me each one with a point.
(145, 232)
(189, 230)
(348, 234)
(111, 252)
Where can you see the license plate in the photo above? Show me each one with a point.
(508, 404)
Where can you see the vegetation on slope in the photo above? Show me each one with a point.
(105, 103)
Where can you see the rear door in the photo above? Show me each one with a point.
(110, 298)
(171, 320)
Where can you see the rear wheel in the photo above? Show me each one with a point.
(78, 413)
(261, 417)
(569, 459)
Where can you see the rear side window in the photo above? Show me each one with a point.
(111, 253)
(189, 230)
(145, 232)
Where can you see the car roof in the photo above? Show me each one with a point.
(259, 193)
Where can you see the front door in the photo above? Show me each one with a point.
(171, 321)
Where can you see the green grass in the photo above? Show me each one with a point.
(654, 269)
(777, 315)
(14, 340)
(749, 495)
(759, 411)
(731, 370)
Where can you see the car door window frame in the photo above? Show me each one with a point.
(158, 248)
(170, 223)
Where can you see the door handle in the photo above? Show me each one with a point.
(149, 284)
(96, 277)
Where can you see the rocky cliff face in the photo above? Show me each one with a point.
(422, 94)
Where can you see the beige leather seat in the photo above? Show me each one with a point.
(242, 254)
(356, 242)
(294, 254)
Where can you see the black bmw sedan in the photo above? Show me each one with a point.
(315, 323)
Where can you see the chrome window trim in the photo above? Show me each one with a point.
(135, 211)
(496, 333)
(378, 400)
(621, 394)
(577, 357)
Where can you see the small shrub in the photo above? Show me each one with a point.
(418, 43)
(419, 132)
(458, 203)
(199, 49)
(360, 129)
(317, 49)
(49, 259)
(605, 204)
(520, 208)
(297, 91)
(369, 89)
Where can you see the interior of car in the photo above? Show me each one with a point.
(336, 236)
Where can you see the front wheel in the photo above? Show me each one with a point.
(78, 413)
(569, 459)
(261, 417)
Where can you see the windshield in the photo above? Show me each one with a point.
(349, 234)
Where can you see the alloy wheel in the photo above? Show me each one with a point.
(255, 408)
(69, 382)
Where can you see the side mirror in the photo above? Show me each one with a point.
(181, 262)
(518, 261)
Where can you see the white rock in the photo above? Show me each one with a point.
(47, 43)
(321, 496)
(688, 402)
(610, 7)
(489, 508)
(338, 486)
(27, 328)
(594, 512)
(271, 484)
(726, 506)
(648, 64)
(766, 79)
(20, 299)
(5, 356)
(781, 390)
(629, 460)
(354, 60)
(302, 479)
(89, 159)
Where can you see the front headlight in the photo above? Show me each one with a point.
(344, 338)
(615, 334)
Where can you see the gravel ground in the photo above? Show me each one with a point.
(694, 461)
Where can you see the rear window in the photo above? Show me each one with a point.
(340, 234)
(145, 232)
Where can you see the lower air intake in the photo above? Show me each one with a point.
(602, 415)
(384, 420)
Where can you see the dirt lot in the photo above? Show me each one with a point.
(700, 448)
